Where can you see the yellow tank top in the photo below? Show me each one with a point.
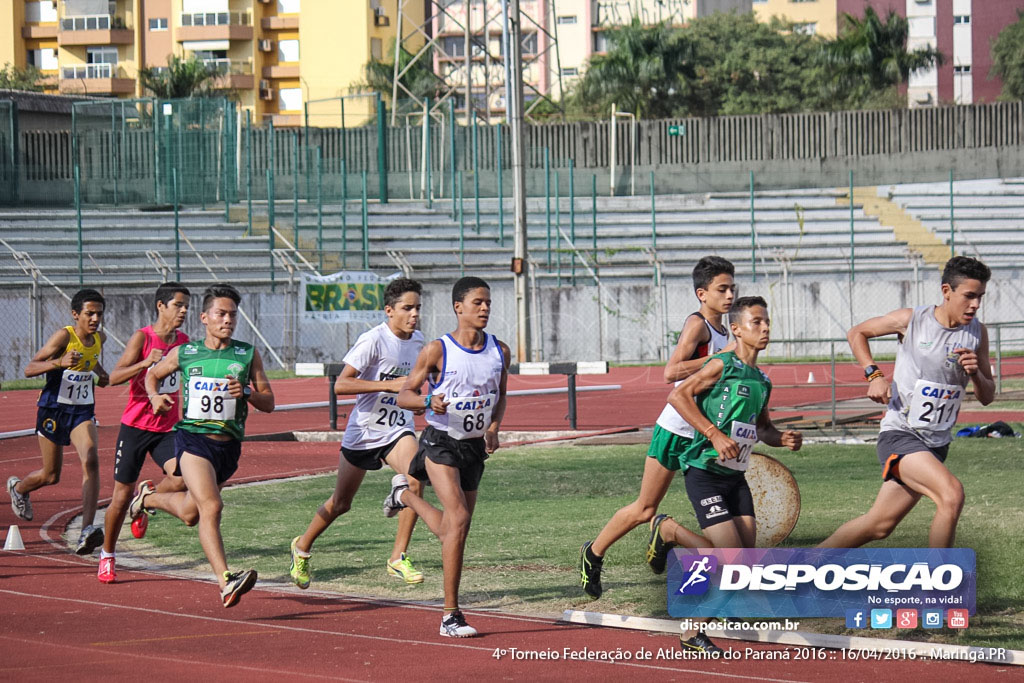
(90, 354)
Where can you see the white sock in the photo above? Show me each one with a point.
(398, 495)
(104, 554)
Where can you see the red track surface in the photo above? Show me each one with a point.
(58, 621)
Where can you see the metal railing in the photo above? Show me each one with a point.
(224, 66)
(93, 22)
(216, 19)
(88, 71)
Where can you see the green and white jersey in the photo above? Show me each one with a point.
(733, 405)
(208, 407)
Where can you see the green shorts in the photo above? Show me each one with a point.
(668, 448)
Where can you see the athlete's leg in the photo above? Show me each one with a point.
(49, 473)
(398, 460)
(890, 507)
(347, 483)
(171, 482)
(924, 474)
(84, 439)
(458, 513)
(201, 480)
(181, 504)
(674, 532)
(747, 528)
(725, 534)
(115, 514)
(653, 486)
(430, 515)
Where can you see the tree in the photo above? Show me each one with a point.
(419, 78)
(181, 78)
(13, 78)
(870, 56)
(1008, 59)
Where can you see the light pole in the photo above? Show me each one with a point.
(514, 102)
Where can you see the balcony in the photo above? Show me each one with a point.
(96, 79)
(281, 71)
(214, 26)
(283, 23)
(97, 29)
(39, 31)
(234, 74)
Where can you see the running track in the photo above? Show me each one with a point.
(58, 621)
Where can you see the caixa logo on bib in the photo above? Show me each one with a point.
(817, 582)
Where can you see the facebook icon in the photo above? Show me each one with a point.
(856, 618)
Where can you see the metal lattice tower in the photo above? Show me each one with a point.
(620, 12)
(441, 38)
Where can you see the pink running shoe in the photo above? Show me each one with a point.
(140, 524)
(107, 573)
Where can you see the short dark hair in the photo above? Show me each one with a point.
(961, 268)
(708, 268)
(465, 285)
(220, 292)
(399, 286)
(742, 304)
(84, 295)
(165, 292)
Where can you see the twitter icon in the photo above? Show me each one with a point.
(881, 618)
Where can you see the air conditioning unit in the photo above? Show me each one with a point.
(380, 18)
(266, 45)
(267, 94)
(264, 85)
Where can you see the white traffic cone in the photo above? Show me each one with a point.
(811, 379)
(14, 541)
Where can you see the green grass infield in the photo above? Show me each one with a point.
(537, 506)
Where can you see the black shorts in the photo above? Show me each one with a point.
(467, 456)
(893, 445)
(718, 498)
(223, 455)
(372, 458)
(133, 444)
(56, 424)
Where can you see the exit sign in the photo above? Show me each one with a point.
(677, 129)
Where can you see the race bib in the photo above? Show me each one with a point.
(934, 406)
(76, 388)
(745, 436)
(208, 399)
(386, 416)
(170, 384)
(469, 416)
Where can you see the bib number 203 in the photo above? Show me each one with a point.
(390, 418)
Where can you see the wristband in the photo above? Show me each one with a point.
(874, 375)
(708, 429)
(152, 395)
(427, 399)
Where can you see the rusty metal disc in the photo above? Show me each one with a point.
(776, 499)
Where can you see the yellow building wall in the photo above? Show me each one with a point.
(821, 13)
(12, 45)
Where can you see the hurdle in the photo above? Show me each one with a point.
(570, 369)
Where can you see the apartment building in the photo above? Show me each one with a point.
(272, 55)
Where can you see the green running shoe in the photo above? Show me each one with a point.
(657, 548)
(590, 572)
(300, 567)
(403, 569)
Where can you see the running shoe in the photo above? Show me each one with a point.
(20, 503)
(402, 568)
(140, 524)
(590, 572)
(238, 584)
(136, 507)
(300, 567)
(90, 539)
(106, 572)
(657, 547)
(700, 643)
(454, 625)
(392, 505)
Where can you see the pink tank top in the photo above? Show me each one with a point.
(139, 413)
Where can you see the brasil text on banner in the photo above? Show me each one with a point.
(817, 582)
(351, 296)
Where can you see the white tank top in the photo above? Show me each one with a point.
(380, 355)
(669, 418)
(928, 383)
(470, 382)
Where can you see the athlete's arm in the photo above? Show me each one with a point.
(683, 399)
(491, 442)
(349, 383)
(769, 434)
(428, 361)
(894, 322)
(161, 403)
(976, 365)
(102, 378)
(694, 333)
(262, 396)
(131, 362)
(49, 356)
